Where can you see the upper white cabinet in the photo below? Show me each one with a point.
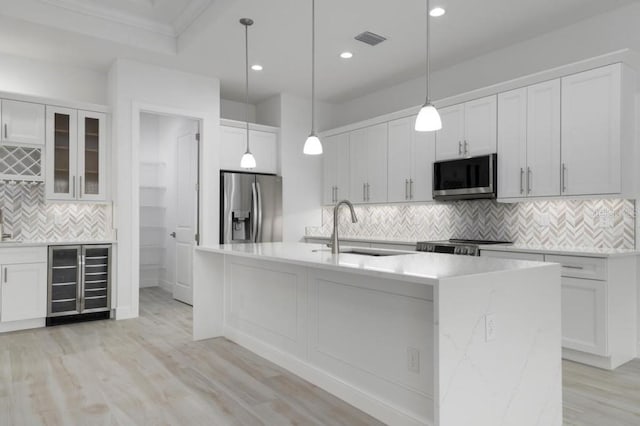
(468, 129)
(263, 145)
(23, 122)
(529, 141)
(450, 138)
(368, 164)
(410, 162)
(591, 131)
(76, 155)
(336, 168)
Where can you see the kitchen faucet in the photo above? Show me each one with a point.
(335, 242)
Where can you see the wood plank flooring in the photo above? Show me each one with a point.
(147, 371)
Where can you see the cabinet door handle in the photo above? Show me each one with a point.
(335, 197)
(406, 189)
(529, 180)
(459, 147)
(6, 131)
(573, 267)
(4, 274)
(521, 180)
(411, 189)
(364, 192)
(80, 188)
(564, 177)
(368, 192)
(466, 148)
(74, 187)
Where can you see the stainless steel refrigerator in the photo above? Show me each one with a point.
(250, 208)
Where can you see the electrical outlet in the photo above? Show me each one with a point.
(413, 360)
(489, 327)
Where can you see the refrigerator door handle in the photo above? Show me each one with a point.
(259, 210)
(254, 213)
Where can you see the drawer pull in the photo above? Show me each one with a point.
(572, 267)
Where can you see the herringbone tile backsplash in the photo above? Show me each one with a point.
(28, 217)
(584, 223)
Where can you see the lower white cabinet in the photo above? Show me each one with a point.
(599, 325)
(23, 285)
(584, 315)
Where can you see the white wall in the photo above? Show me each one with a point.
(302, 174)
(135, 87)
(233, 110)
(601, 34)
(39, 78)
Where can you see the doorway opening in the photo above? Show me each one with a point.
(169, 202)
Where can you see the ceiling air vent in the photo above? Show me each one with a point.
(370, 38)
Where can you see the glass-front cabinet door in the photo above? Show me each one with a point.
(62, 149)
(91, 156)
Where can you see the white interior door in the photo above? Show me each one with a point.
(186, 216)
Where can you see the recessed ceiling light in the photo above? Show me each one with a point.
(437, 11)
(346, 55)
(256, 67)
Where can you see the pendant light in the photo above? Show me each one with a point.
(248, 161)
(312, 145)
(428, 119)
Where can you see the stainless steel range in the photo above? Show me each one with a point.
(456, 246)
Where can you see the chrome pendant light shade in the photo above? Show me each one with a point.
(247, 161)
(428, 119)
(313, 146)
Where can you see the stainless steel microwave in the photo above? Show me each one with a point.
(465, 179)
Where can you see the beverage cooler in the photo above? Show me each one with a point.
(79, 283)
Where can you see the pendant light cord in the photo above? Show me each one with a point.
(313, 66)
(246, 86)
(428, 55)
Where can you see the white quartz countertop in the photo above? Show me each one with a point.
(553, 250)
(407, 266)
(13, 244)
(566, 251)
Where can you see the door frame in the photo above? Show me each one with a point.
(137, 108)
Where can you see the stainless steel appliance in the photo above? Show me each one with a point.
(465, 179)
(456, 246)
(79, 283)
(250, 208)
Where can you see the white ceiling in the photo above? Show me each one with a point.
(204, 36)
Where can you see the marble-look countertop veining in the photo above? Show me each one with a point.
(406, 266)
(381, 240)
(566, 251)
(14, 244)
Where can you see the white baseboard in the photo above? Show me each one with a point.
(604, 362)
(124, 312)
(166, 285)
(22, 325)
(360, 399)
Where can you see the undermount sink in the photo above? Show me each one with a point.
(364, 252)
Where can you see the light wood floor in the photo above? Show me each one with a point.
(147, 371)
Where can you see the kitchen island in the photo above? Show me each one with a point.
(410, 338)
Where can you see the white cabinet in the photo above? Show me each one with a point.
(263, 145)
(543, 139)
(598, 297)
(468, 129)
(22, 122)
(23, 286)
(584, 315)
(410, 162)
(512, 143)
(336, 168)
(76, 155)
(529, 141)
(24, 292)
(450, 138)
(591, 131)
(368, 164)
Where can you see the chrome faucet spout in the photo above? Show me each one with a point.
(335, 241)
